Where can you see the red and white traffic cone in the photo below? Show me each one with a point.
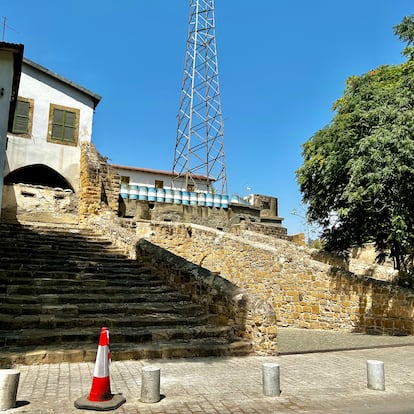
(100, 397)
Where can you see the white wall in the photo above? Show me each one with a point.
(148, 178)
(6, 79)
(65, 159)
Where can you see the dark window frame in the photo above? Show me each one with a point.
(27, 116)
(65, 120)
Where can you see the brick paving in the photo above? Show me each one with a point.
(310, 383)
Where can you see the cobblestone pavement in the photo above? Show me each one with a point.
(310, 383)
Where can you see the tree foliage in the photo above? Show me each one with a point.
(357, 177)
(405, 32)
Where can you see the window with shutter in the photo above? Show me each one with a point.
(63, 125)
(22, 122)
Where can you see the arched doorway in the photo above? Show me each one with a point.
(38, 193)
(37, 174)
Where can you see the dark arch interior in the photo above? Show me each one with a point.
(37, 175)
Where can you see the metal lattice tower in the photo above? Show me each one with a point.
(199, 148)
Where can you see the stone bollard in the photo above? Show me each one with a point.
(375, 375)
(9, 382)
(271, 379)
(150, 384)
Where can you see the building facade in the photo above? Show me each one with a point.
(158, 179)
(11, 56)
(53, 118)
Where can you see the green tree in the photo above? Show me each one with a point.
(357, 177)
(405, 32)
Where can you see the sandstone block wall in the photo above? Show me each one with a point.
(250, 316)
(304, 293)
(99, 184)
(236, 217)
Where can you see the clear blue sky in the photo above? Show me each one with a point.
(282, 65)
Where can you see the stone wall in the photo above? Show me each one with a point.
(39, 203)
(267, 230)
(250, 316)
(304, 292)
(99, 184)
(230, 220)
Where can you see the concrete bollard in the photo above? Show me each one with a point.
(9, 382)
(375, 375)
(271, 379)
(150, 384)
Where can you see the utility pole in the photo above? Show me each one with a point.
(199, 148)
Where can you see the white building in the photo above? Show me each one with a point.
(11, 56)
(53, 117)
(156, 185)
(134, 176)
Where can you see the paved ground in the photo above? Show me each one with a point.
(301, 341)
(319, 382)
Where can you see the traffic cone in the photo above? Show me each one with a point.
(100, 397)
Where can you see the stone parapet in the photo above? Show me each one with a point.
(304, 292)
(250, 316)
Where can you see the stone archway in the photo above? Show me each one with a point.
(38, 174)
(38, 193)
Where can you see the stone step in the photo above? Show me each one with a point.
(79, 279)
(56, 288)
(138, 275)
(53, 354)
(78, 272)
(34, 250)
(97, 319)
(45, 228)
(35, 337)
(169, 295)
(60, 284)
(21, 236)
(67, 262)
(181, 308)
(51, 241)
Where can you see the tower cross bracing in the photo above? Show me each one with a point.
(199, 148)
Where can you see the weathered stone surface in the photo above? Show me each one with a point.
(99, 184)
(39, 203)
(250, 316)
(304, 292)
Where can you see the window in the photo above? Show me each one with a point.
(124, 179)
(23, 114)
(63, 125)
(265, 205)
(159, 184)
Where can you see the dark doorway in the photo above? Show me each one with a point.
(37, 174)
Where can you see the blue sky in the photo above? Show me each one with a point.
(282, 65)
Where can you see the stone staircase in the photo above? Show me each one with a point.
(61, 284)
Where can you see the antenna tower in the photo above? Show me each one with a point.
(199, 148)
